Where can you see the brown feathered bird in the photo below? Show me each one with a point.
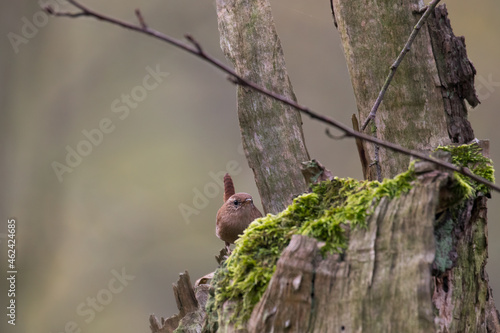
(237, 212)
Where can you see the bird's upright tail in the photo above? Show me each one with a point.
(228, 187)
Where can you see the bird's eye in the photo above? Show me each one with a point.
(236, 202)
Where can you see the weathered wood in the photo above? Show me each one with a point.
(456, 73)
(462, 295)
(191, 305)
(411, 114)
(184, 295)
(382, 284)
(286, 304)
(315, 172)
(271, 132)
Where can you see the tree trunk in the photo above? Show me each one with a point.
(413, 112)
(271, 132)
(423, 107)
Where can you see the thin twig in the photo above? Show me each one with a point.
(51, 11)
(332, 136)
(235, 78)
(398, 61)
(141, 19)
(195, 43)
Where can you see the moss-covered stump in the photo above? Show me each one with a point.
(353, 256)
(326, 214)
(399, 227)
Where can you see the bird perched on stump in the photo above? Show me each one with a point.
(237, 212)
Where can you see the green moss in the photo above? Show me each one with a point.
(470, 156)
(373, 128)
(322, 214)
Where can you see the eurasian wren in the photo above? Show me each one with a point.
(237, 212)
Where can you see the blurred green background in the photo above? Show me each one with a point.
(118, 212)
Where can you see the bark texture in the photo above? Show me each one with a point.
(456, 74)
(453, 297)
(271, 132)
(462, 296)
(382, 284)
(411, 114)
(424, 106)
(191, 304)
(287, 303)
